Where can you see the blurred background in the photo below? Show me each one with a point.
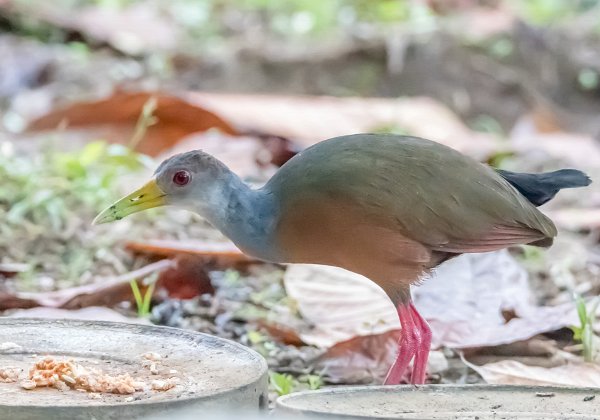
(95, 93)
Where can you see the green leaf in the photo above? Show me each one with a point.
(255, 337)
(581, 311)
(282, 383)
(92, 152)
(314, 382)
(137, 295)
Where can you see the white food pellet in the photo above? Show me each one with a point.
(28, 384)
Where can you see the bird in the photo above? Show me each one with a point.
(389, 207)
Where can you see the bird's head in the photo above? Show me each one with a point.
(189, 180)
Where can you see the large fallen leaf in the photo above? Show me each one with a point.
(367, 358)
(114, 118)
(222, 254)
(133, 29)
(309, 119)
(510, 372)
(249, 157)
(339, 304)
(463, 301)
(360, 359)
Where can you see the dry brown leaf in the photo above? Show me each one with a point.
(510, 372)
(281, 333)
(116, 117)
(367, 358)
(103, 293)
(463, 301)
(310, 119)
(220, 253)
(183, 277)
(11, 301)
(187, 279)
(360, 359)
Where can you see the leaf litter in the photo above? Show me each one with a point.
(349, 336)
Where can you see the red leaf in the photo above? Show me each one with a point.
(361, 359)
(117, 116)
(187, 279)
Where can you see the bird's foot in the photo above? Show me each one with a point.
(415, 340)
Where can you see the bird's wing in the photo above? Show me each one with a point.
(424, 190)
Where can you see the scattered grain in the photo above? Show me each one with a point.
(152, 356)
(164, 384)
(9, 374)
(28, 384)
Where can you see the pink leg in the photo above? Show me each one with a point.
(415, 339)
(407, 346)
(422, 354)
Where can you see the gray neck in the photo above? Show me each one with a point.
(246, 216)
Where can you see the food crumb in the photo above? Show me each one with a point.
(152, 356)
(164, 385)
(28, 384)
(153, 369)
(9, 374)
(63, 375)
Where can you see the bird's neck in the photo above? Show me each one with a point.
(246, 216)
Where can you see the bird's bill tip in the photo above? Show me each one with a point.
(147, 197)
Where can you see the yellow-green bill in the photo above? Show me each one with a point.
(147, 197)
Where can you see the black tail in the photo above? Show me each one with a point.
(541, 188)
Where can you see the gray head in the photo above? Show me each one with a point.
(194, 180)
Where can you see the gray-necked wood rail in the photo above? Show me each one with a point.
(388, 207)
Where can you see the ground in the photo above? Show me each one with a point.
(488, 102)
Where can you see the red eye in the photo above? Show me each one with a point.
(181, 177)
